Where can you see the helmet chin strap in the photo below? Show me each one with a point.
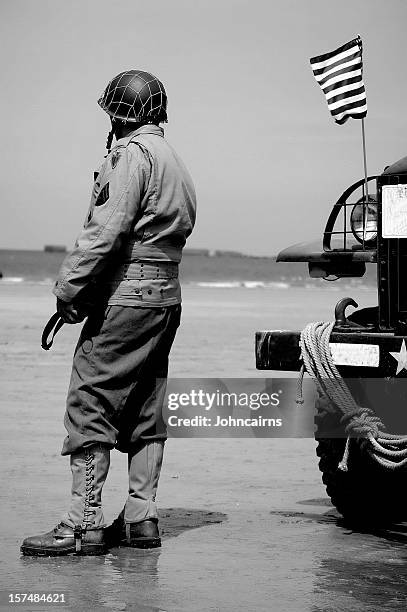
(109, 141)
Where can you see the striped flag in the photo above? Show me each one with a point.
(339, 74)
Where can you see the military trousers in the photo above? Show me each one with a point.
(118, 379)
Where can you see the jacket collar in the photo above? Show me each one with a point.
(148, 128)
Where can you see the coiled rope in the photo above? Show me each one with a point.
(389, 450)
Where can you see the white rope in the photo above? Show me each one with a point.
(387, 449)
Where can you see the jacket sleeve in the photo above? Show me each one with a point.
(115, 201)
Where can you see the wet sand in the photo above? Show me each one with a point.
(246, 522)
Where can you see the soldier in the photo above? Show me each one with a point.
(123, 275)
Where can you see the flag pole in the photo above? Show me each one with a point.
(366, 199)
(366, 202)
(364, 153)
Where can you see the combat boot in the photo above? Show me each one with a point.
(137, 524)
(81, 530)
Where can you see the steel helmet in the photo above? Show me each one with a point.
(134, 96)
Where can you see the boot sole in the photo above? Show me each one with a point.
(87, 550)
(145, 543)
(136, 543)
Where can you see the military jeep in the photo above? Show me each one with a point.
(367, 225)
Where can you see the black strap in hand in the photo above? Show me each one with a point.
(53, 326)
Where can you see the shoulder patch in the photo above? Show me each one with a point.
(115, 159)
(103, 196)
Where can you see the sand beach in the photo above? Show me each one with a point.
(246, 522)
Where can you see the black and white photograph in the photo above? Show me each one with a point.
(203, 306)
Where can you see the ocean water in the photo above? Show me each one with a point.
(226, 271)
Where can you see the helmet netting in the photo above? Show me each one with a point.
(126, 100)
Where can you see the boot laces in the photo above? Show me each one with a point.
(89, 512)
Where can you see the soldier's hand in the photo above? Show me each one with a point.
(69, 312)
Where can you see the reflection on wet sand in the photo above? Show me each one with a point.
(373, 577)
(124, 579)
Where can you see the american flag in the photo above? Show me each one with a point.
(339, 74)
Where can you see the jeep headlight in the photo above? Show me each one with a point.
(363, 221)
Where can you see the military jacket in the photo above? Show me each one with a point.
(141, 212)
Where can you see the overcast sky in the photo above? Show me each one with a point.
(245, 112)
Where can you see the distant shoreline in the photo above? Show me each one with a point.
(224, 270)
(60, 248)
